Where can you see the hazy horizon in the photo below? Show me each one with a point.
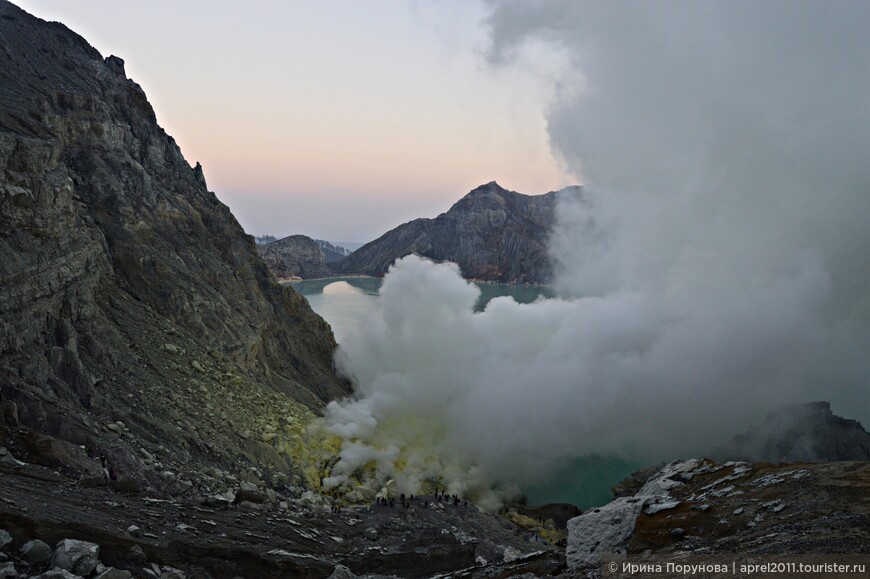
(338, 120)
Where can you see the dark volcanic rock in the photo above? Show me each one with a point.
(491, 233)
(704, 508)
(129, 291)
(241, 541)
(801, 433)
(296, 256)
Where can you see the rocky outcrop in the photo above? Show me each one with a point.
(295, 257)
(807, 432)
(130, 295)
(699, 507)
(492, 234)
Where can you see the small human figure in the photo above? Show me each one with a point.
(112, 474)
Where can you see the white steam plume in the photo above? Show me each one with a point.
(717, 267)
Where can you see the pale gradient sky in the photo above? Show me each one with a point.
(338, 119)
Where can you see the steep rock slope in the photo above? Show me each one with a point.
(808, 432)
(295, 256)
(492, 234)
(129, 291)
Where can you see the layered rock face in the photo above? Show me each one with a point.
(296, 256)
(492, 234)
(120, 270)
(801, 433)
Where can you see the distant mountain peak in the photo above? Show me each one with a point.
(493, 234)
(491, 185)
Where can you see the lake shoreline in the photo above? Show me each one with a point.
(285, 281)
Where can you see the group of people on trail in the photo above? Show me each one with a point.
(384, 502)
(406, 502)
(449, 498)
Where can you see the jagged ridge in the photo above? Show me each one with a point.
(492, 234)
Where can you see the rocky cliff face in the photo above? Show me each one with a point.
(492, 234)
(129, 291)
(801, 433)
(296, 256)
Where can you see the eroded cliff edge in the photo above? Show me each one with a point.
(129, 291)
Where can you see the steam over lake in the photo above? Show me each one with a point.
(345, 302)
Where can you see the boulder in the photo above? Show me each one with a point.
(167, 572)
(248, 486)
(58, 573)
(7, 569)
(365, 493)
(80, 557)
(220, 501)
(112, 573)
(36, 551)
(342, 572)
(601, 531)
(5, 537)
(388, 491)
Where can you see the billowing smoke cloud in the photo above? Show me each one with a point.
(715, 266)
